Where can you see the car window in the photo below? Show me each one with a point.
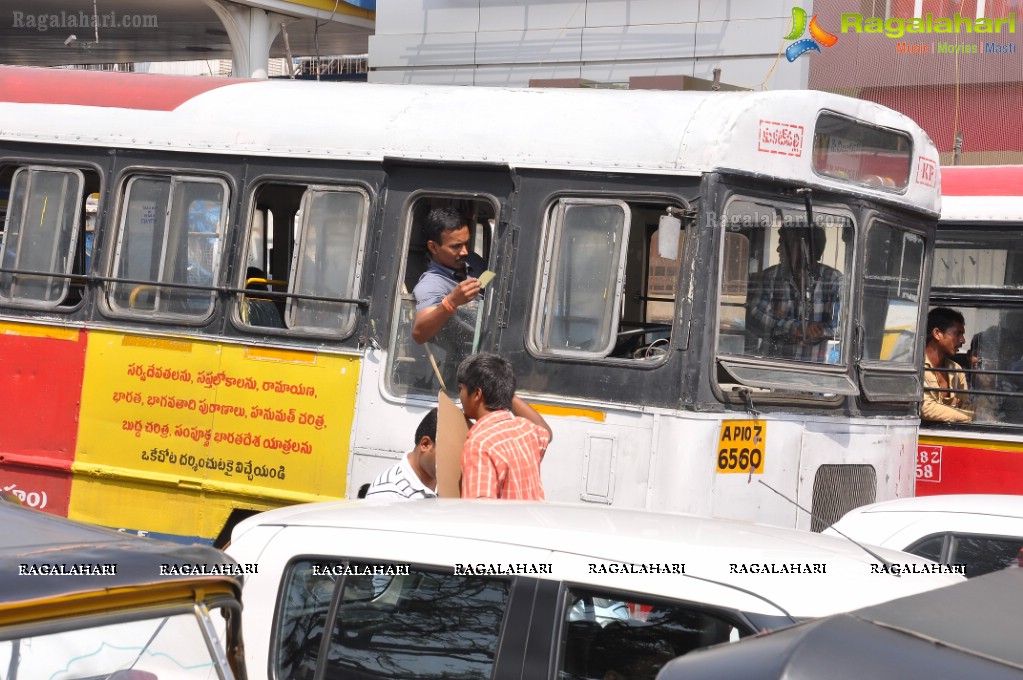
(623, 636)
(419, 625)
(930, 547)
(984, 554)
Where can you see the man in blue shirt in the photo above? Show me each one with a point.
(451, 280)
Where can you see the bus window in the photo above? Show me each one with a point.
(171, 231)
(795, 299)
(415, 369)
(993, 358)
(606, 290)
(305, 250)
(980, 273)
(43, 233)
(891, 294)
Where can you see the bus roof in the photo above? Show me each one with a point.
(685, 133)
(984, 193)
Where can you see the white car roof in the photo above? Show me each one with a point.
(570, 536)
(901, 523)
(976, 504)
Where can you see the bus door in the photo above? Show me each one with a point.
(598, 330)
(402, 377)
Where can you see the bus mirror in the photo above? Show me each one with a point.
(668, 230)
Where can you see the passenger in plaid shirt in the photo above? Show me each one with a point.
(502, 453)
(796, 308)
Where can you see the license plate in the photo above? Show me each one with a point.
(741, 447)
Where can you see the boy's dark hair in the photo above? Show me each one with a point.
(943, 318)
(493, 374)
(363, 490)
(440, 220)
(427, 426)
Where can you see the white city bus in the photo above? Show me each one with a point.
(230, 331)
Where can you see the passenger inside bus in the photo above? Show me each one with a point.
(946, 396)
(451, 279)
(795, 305)
(428, 363)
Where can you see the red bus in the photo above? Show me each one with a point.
(978, 270)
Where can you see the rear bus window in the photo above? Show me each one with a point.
(45, 231)
(304, 259)
(607, 287)
(167, 256)
(420, 625)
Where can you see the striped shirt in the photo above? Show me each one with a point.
(399, 482)
(501, 458)
(778, 311)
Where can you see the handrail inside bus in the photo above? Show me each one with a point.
(135, 293)
(269, 282)
(90, 278)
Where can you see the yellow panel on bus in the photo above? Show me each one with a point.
(174, 433)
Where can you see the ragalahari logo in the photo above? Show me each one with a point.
(818, 36)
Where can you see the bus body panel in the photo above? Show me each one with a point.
(678, 461)
(41, 369)
(969, 463)
(236, 427)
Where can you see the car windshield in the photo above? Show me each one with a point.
(172, 646)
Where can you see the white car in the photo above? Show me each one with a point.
(466, 589)
(982, 532)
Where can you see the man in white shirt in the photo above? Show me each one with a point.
(415, 475)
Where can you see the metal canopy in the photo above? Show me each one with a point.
(34, 32)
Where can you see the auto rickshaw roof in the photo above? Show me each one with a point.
(46, 559)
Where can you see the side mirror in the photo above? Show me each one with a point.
(669, 228)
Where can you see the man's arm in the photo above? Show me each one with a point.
(430, 320)
(523, 410)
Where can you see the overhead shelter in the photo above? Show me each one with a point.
(250, 32)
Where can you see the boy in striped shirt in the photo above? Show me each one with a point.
(502, 453)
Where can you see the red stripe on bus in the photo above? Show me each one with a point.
(41, 380)
(982, 181)
(971, 469)
(94, 88)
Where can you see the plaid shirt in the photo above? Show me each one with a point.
(778, 311)
(501, 458)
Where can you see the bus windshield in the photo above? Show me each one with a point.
(784, 286)
(792, 295)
